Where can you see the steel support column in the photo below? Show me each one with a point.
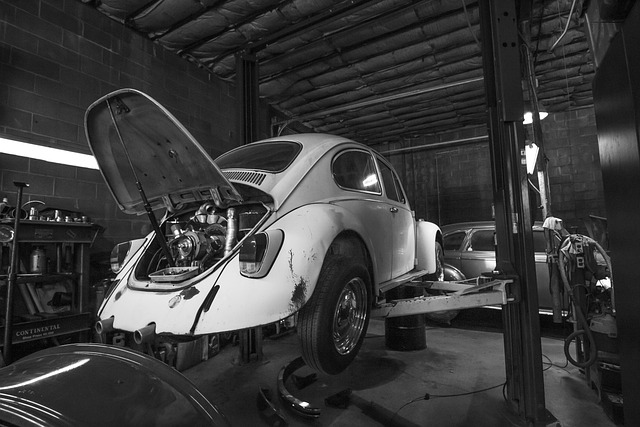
(616, 92)
(514, 251)
(247, 93)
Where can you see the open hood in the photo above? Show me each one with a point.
(138, 143)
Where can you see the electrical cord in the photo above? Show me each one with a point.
(550, 364)
(573, 4)
(466, 14)
(429, 396)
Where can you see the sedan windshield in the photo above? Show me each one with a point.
(270, 157)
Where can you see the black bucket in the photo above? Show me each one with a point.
(405, 333)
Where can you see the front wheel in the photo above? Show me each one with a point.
(439, 276)
(333, 323)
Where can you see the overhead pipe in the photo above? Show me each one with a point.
(442, 144)
(380, 100)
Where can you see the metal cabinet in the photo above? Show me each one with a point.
(50, 298)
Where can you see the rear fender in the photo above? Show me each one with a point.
(451, 273)
(243, 302)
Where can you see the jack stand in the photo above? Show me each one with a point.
(250, 344)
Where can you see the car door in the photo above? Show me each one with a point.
(478, 254)
(403, 232)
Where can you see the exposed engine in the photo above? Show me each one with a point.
(197, 240)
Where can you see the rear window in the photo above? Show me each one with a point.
(269, 157)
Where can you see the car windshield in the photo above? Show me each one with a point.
(269, 156)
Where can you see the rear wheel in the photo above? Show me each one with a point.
(333, 323)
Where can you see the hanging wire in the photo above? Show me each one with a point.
(466, 15)
(564, 55)
(566, 27)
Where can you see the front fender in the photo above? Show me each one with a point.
(453, 274)
(243, 302)
(427, 236)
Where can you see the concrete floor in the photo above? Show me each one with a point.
(385, 382)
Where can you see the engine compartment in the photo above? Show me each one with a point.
(197, 239)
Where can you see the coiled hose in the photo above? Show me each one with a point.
(583, 325)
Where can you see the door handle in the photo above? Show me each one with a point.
(393, 209)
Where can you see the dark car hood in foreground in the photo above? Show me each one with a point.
(99, 385)
(170, 165)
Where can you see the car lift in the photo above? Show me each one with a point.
(500, 47)
(470, 293)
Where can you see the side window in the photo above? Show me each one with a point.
(391, 183)
(355, 170)
(482, 240)
(453, 241)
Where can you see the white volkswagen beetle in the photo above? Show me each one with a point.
(311, 224)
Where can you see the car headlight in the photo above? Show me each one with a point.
(259, 251)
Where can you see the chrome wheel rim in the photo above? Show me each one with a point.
(350, 316)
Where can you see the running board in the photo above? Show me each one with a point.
(464, 294)
(401, 280)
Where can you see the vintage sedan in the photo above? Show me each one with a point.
(469, 251)
(312, 224)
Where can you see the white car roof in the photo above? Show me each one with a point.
(311, 165)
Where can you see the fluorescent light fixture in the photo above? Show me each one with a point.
(48, 154)
(528, 116)
(531, 155)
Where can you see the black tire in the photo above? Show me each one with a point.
(333, 323)
(438, 275)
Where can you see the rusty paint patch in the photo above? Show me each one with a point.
(299, 295)
(189, 293)
(291, 262)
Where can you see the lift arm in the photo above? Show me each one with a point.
(470, 293)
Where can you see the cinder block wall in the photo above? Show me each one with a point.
(56, 58)
(575, 175)
(453, 183)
